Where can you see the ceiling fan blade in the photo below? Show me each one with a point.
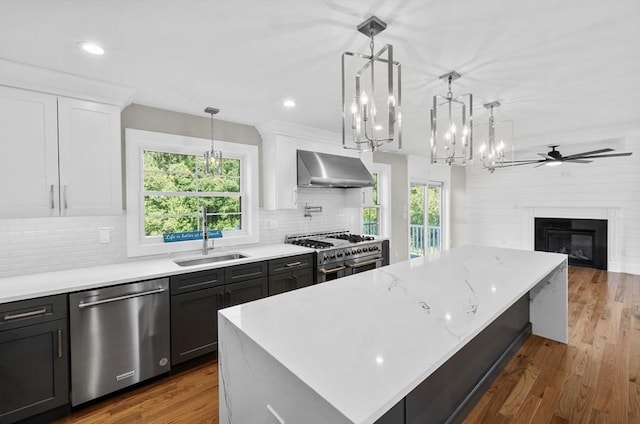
(543, 163)
(593, 152)
(576, 160)
(546, 156)
(611, 155)
(510, 164)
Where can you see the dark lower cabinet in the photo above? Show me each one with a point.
(245, 291)
(290, 273)
(194, 323)
(34, 362)
(395, 415)
(285, 282)
(196, 299)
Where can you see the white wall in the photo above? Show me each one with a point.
(501, 205)
(34, 245)
(334, 216)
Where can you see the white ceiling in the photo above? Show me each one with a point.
(564, 71)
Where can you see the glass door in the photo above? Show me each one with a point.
(425, 229)
(417, 200)
(434, 217)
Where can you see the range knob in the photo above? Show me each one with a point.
(347, 253)
(359, 250)
(325, 257)
(371, 249)
(339, 254)
(353, 252)
(333, 256)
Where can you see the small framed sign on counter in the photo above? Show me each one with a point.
(190, 235)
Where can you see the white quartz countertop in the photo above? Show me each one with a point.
(365, 341)
(50, 283)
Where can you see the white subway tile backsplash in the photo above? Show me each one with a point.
(34, 245)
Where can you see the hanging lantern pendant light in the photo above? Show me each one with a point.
(492, 153)
(212, 157)
(455, 145)
(372, 128)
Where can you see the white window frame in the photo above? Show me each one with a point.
(384, 198)
(137, 141)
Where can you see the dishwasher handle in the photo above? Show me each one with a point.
(117, 298)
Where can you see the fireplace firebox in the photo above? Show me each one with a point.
(583, 240)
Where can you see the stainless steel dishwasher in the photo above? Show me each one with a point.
(119, 336)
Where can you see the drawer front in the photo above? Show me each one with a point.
(291, 263)
(246, 271)
(192, 281)
(32, 311)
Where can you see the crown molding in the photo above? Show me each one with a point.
(29, 77)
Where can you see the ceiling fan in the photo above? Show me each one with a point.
(554, 157)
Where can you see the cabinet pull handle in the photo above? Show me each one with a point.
(59, 343)
(115, 299)
(25, 314)
(53, 205)
(293, 264)
(363, 198)
(295, 197)
(228, 296)
(64, 195)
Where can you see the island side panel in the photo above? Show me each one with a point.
(549, 305)
(250, 379)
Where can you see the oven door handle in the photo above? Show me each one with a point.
(359, 264)
(330, 271)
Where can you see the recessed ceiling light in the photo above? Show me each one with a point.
(92, 48)
(289, 103)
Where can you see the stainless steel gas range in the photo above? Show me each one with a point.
(339, 253)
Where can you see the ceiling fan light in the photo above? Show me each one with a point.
(554, 163)
(90, 47)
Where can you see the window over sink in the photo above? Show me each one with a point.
(167, 188)
(375, 202)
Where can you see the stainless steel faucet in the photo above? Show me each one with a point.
(205, 231)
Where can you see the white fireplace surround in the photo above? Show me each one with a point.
(613, 215)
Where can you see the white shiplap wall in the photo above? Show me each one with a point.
(501, 205)
(36, 245)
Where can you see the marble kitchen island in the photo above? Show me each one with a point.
(397, 344)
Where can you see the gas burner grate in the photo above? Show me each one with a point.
(354, 238)
(314, 244)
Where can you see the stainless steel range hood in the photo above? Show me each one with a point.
(325, 170)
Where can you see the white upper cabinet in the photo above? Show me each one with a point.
(28, 154)
(58, 156)
(90, 158)
(280, 178)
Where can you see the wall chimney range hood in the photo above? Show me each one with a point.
(325, 170)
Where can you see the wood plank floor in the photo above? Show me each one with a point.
(593, 379)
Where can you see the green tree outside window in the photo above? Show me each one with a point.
(175, 188)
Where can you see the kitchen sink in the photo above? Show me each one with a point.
(209, 259)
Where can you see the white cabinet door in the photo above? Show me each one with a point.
(90, 158)
(280, 177)
(28, 154)
(287, 185)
